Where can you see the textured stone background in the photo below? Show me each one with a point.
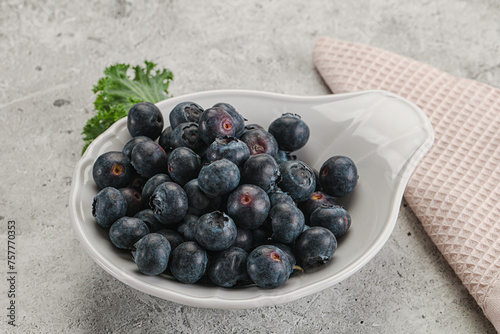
(52, 51)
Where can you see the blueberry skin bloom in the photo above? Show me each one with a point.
(249, 206)
(297, 179)
(198, 202)
(183, 165)
(184, 112)
(261, 170)
(334, 218)
(189, 262)
(126, 231)
(287, 222)
(338, 176)
(230, 148)
(108, 206)
(215, 231)
(149, 159)
(229, 267)
(277, 196)
(268, 266)
(112, 169)
(188, 227)
(169, 203)
(219, 178)
(215, 122)
(315, 246)
(238, 119)
(151, 254)
(187, 135)
(290, 131)
(145, 119)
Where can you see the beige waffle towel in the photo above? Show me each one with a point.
(455, 190)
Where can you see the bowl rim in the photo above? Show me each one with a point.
(261, 300)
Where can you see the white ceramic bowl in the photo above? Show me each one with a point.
(384, 134)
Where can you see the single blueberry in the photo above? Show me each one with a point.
(268, 266)
(149, 159)
(151, 254)
(112, 169)
(261, 170)
(186, 135)
(248, 205)
(297, 179)
(287, 222)
(230, 148)
(290, 131)
(338, 176)
(145, 119)
(238, 119)
(189, 262)
(126, 231)
(260, 141)
(277, 196)
(215, 231)
(184, 165)
(315, 246)
(335, 218)
(219, 178)
(134, 200)
(108, 206)
(183, 112)
(215, 122)
(228, 267)
(169, 203)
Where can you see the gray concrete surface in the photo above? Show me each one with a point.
(52, 50)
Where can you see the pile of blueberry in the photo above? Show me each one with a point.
(210, 198)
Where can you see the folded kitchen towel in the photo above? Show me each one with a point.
(455, 189)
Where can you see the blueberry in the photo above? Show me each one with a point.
(277, 196)
(215, 231)
(261, 170)
(151, 254)
(215, 122)
(126, 231)
(335, 218)
(244, 239)
(268, 266)
(228, 267)
(112, 169)
(188, 227)
(151, 185)
(149, 218)
(317, 199)
(338, 176)
(287, 222)
(169, 203)
(185, 112)
(145, 119)
(174, 238)
(183, 165)
(149, 159)
(219, 178)
(315, 246)
(189, 262)
(108, 206)
(129, 146)
(238, 119)
(230, 148)
(134, 200)
(297, 179)
(198, 202)
(186, 135)
(249, 206)
(164, 139)
(290, 131)
(260, 141)
(252, 126)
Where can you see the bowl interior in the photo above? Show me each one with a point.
(385, 136)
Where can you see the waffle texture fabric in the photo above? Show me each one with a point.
(455, 189)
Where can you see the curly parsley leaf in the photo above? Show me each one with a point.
(117, 92)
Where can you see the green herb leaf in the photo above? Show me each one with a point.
(117, 93)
